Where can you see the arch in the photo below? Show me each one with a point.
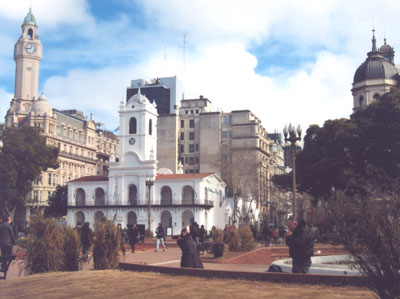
(30, 33)
(132, 125)
(187, 217)
(361, 101)
(80, 197)
(80, 217)
(150, 126)
(99, 197)
(98, 216)
(131, 218)
(166, 219)
(132, 195)
(188, 195)
(376, 97)
(166, 196)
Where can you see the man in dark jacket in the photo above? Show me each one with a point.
(7, 237)
(86, 240)
(133, 234)
(301, 245)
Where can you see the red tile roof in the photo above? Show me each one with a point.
(92, 178)
(182, 176)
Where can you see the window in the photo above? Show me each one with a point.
(191, 148)
(132, 126)
(197, 160)
(191, 136)
(197, 111)
(376, 97)
(227, 120)
(361, 101)
(35, 195)
(191, 123)
(150, 127)
(181, 148)
(186, 160)
(49, 179)
(30, 33)
(197, 147)
(182, 136)
(182, 123)
(191, 160)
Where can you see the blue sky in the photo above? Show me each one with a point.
(287, 61)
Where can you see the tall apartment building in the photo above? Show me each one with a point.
(199, 140)
(83, 147)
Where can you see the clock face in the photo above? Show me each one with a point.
(132, 141)
(30, 48)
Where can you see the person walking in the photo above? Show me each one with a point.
(7, 237)
(266, 232)
(86, 240)
(275, 236)
(133, 235)
(301, 245)
(160, 237)
(121, 238)
(202, 234)
(190, 256)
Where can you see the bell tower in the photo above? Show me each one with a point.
(27, 56)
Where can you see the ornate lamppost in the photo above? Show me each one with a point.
(292, 136)
(149, 183)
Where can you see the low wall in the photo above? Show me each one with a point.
(336, 280)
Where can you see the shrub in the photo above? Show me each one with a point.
(218, 236)
(72, 247)
(44, 246)
(234, 239)
(246, 239)
(106, 245)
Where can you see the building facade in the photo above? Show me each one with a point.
(376, 76)
(83, 147)
(137, 191)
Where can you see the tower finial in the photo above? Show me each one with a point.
(373, 41)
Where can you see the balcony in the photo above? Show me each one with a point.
(77, 157)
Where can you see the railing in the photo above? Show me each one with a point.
(79, 157)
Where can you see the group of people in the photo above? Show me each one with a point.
(188, 242)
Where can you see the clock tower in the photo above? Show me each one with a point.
(27, 56)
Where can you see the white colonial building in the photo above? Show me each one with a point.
(176, 199)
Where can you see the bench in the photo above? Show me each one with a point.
(206, 246)
(5, 262)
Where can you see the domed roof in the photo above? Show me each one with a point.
(375, 66)
(375, 69)
(30, 18)
(138, 98)
(41, 107)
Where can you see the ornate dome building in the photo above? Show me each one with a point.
(376, 76)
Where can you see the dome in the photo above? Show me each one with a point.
(138, 98)
(387, 52)
(377, 68)
(29, 19)
(41, 107)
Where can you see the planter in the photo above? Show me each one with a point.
(218, 250)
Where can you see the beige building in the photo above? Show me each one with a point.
(83, 147)
(202, 140)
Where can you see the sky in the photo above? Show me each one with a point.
(287, 61)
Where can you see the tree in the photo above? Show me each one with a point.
(241, 173)
(345, 153)
(58, 202)
(22, 159)
(368, 225)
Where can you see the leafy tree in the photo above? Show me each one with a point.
(345, 153)
(58, 202)
(22, 159)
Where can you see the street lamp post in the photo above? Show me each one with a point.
(149, 183)
(292, 136)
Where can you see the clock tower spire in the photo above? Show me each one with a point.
(27, 56)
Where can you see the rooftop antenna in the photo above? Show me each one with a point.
(184, 65)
